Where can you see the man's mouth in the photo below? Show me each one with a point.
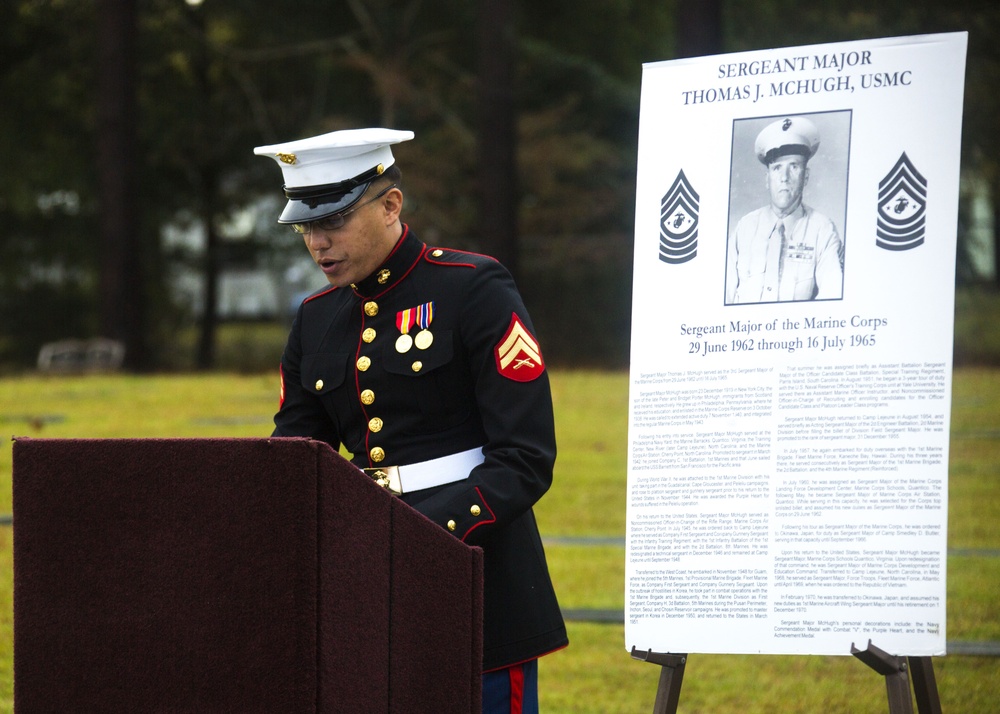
(328, 265)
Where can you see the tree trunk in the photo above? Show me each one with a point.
(210, 272)
(208, 192)
(497, 133)
(122, 299)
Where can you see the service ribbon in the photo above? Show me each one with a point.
(404, 319)
(425, 313)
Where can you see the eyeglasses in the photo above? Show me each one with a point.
(337, 220)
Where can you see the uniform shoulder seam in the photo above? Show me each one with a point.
(453, 257)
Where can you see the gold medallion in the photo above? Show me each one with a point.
(423, 339)
(404, 343)
(383, 276)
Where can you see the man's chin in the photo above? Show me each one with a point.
(784, 206)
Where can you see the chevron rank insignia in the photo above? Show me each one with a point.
(518, 354)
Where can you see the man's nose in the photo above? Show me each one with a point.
(317, 238)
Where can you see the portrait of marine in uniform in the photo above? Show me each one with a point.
(787, 250)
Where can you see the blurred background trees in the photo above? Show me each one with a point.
(132, 206)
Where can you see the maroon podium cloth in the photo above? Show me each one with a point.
(232, 575)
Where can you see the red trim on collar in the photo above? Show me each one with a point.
(399, 243)
(409, 270)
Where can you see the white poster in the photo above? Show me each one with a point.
(792, 328)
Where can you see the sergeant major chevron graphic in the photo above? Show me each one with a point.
(902, 206)
(679, 222)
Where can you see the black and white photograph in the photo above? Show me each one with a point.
(787, 208)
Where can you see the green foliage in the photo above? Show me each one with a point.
(977, 314)
(217, 80)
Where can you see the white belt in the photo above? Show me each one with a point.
(426, 474)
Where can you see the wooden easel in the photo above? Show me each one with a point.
(894, 669)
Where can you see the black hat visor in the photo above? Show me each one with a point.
(316, 202)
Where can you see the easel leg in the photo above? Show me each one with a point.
(668, 692)
(924, 685)
(897, 683)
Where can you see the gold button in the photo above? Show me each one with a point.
(364, 363)
(452, 525)
(367, 397)
(319, 385)
(383, 276)
(417, 366)
(371, 309)
(368, 335)
(475, 510)
(437, 253)
(375, 424)
(377, 454)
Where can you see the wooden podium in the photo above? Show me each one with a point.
(233, 575)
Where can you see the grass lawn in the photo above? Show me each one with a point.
(594, 674)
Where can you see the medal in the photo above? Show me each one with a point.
(403, 343)
(406, 320)
(425, 313)
(424, 339)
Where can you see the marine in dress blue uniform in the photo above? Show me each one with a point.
(422, 362)
(785, 251)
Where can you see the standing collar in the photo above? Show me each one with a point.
(397, 266)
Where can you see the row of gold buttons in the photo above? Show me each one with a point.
(375, 424)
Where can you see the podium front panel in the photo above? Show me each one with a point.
(250, 575)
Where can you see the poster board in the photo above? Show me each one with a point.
(790, 386)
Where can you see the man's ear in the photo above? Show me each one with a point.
(392, 204)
